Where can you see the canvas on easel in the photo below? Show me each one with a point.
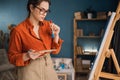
(105, 52)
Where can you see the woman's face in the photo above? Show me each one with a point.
(40, 11)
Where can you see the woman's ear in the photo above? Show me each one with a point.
(31, 7)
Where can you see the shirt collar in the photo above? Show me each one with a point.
(29, 24)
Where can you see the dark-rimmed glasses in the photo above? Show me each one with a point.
(42, 10)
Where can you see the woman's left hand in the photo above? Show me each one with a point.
(55, 29)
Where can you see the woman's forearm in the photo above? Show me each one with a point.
(56, 38)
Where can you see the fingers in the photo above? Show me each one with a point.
(31, 50)
(35, 54)
(54, 27)
(51, 26)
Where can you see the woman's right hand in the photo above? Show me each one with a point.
(35, 54)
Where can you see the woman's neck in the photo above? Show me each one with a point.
(34, 21)
(35, 26)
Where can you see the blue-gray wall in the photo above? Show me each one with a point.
(62, 13)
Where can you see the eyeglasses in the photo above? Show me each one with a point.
(42, 10)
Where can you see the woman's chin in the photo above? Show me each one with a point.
(41, 20)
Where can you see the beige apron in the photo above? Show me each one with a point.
(39, 69)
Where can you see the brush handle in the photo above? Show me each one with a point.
(52, 35)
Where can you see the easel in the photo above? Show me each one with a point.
(106, 53)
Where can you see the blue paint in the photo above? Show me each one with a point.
(52, 35)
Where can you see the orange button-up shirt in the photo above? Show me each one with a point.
(23, 38)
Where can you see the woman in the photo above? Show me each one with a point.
(31, 43)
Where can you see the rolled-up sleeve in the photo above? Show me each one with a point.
(57, 46)
(15, 55)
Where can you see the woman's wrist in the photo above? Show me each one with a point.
(56, 38)
(26, 56)
(56, 35)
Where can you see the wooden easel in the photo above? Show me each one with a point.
(106, 52)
